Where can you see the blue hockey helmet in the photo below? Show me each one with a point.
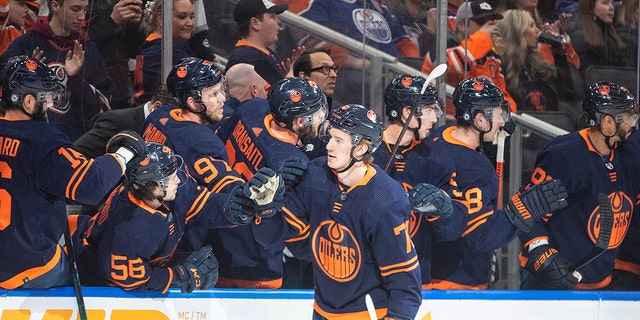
(22, 75)
(404, 91)
(293, 98)
(160, 163)
(190, 76)
(475, 95)
(360, 122)
(607, 98)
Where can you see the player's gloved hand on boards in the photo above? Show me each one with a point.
(529, 206)
(127, 144)
(239, 208)
(198, 271)
(430, 201)
(266, 188)
(550, 269)
(292, 170)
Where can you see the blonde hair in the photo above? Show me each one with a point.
(152, 15)
(518, 57)
(627, 14)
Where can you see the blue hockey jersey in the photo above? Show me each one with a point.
(585, 173)
(359, 239)
(418, 163)
(252, 143)
(39, 169)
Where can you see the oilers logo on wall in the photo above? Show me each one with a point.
(65, 101)
(336, 251)
(372, 24)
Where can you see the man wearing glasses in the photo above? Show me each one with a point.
(590, 161)
(317, 65)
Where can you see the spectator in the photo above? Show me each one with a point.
(198, 87)
(473, 55)
(41, 169)
(594, 37)
(258, 25)
(535, 84)
(415, 165)
(12, 18)
(115, 27)
(93, 142)
(345, 202)
(276, 129)
(76, 61)
(142, 222)
(627, 28)
(147, 71)
(589, 162)
(412, 14)
(362, 20)
(465, 262)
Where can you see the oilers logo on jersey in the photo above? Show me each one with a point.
(372, 24)
(622, 207)
(336, 251)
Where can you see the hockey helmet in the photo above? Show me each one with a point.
(160, 163)
(190, 76)
(477, 95)
(607, 98)
(404, 91)
(296, 98)
(360, 122)
(22, 75)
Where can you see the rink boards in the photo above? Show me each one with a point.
(222, 304)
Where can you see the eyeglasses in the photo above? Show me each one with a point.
(326, 69)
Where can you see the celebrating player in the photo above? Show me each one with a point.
(419, 168)
(40, 169)
(480, 111)
(355, 219)
(266, 133)
(591, 161)
(131, 240)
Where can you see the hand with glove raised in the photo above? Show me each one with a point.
(198, 271)
(430, 201)
(529, 206)
(128, 145)
(239, 208)
(292, 170)
(266, 188)
(549, 269)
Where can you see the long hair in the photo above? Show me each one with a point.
(518, 57)
(586, 20)
(627, 14)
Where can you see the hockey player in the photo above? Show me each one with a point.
(266, 133)
(591, 161)
(198, 87)
(355, 218)
(40, 169)
(423, 172)
(133, 238)
(480, 111)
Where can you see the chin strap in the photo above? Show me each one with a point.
(607, 139)
(482, 133)
(353, 161)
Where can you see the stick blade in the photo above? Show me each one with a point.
(606, 221)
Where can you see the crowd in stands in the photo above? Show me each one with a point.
(221, 141)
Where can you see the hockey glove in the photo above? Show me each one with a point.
(130, 141)
(239, 209)
(292, 170)
(550, 269)
(430, 201)
(266, 188)
(529, 206)
(198, 271)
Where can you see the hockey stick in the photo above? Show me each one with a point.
(604, 235)
(370, 308)
(435, 73)
(501, 136)
(77, 288)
